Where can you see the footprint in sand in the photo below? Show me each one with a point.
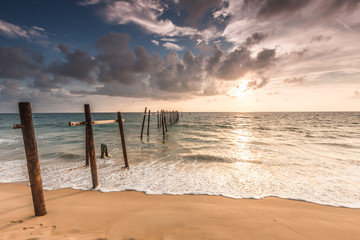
(15, 222)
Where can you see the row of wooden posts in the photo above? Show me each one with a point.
(32, 156)
(162, 116)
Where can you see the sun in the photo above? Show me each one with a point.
(240, 89)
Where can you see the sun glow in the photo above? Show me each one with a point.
(240, 89)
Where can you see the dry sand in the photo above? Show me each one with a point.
(75, 214)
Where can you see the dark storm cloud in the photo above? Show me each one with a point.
(239, 62)
(10, 90)
(19, 62)
(79, 65)
(115, 60)
(255, 38)
(123, 72)
(197, 8)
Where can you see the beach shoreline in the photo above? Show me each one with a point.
(79, 214)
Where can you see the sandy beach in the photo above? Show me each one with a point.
(76, 214)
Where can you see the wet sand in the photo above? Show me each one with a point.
(76, 214)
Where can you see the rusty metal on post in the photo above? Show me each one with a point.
(91, 145)
(148, 126)
(32, 158)
(142, 128)
(122, 135)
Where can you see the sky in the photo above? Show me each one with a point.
(188, 55)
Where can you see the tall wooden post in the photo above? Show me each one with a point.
(122, 135)
(158, 122)
(165, 122)
(32, 158)
(142, 128)
(162, 122)
(87, 155)
(91, 146)
(148, 124)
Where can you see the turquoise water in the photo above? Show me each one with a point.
(310, 156)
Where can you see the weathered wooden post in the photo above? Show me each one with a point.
(87, 155)
(32, 158)
(158, 122)
(165, 122)
(148, 124)
(122, 135)
(162, 122)
(142, 128)
(92, 156)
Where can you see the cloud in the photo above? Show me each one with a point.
(239, 62)
(155, 42)
(356, 95)
(149, 15)
(255, 38)
(89, 2)
(19, 62)
(295, 80)
(169, 39)
(271, 8)
(146, 14)
(173, 46)
(258, 83)
(9, 91)
(273, 93)
(197, 8)
(119, 71)
(79, 65)
(13, 31)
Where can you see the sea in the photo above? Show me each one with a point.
(309, 156)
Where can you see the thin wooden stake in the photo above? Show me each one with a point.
(142, 128)
(148, 124)
(32, 158)
(122, 135)
(91, 146)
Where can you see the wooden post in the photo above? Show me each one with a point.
(122, 135)
(160, 115)
(142, 128)
(162, 122)
(158, 122)
(165, 122)
(87, 155)
(32, 158)
(148, 124)
(92, 156)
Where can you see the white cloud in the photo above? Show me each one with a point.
(144, 14)
(13, 31)
(155, 42)
(173, 46)
(169, 40)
